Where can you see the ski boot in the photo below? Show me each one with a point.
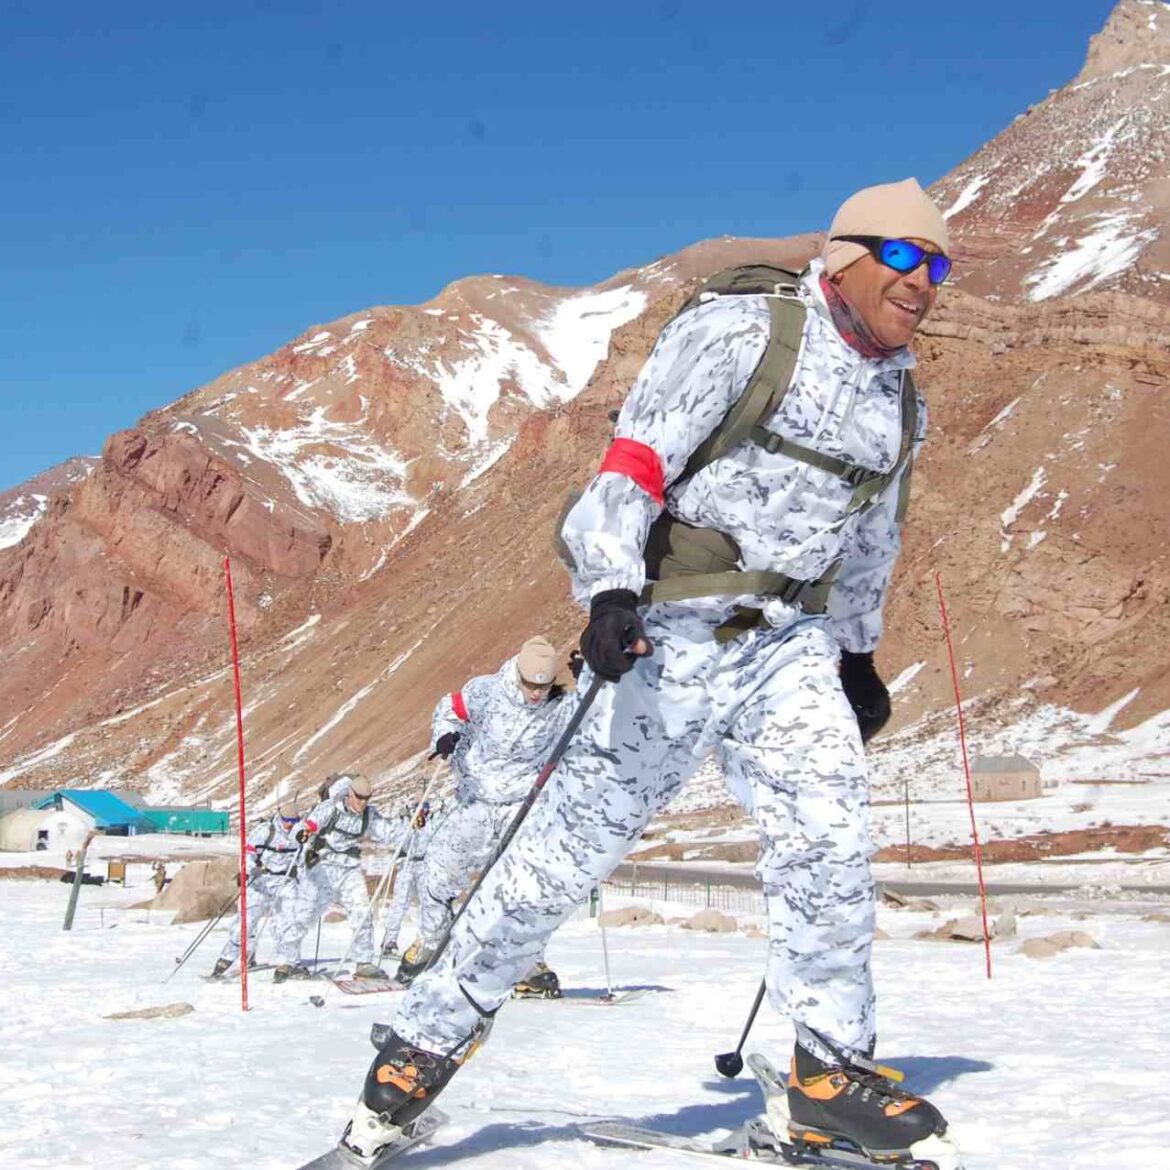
(220, 968)
(540, 983)
(402, 1083)
(390, 956)
(290, 971)
(414, 963)
(369, 971)
(851, 1113)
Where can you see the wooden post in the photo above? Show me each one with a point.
(71, 909)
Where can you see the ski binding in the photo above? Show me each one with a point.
(760, 1140)
(341, 1157)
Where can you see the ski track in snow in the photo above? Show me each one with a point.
(1035, 1070)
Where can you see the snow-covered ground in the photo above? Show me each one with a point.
(1052, 1065)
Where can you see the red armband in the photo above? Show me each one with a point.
(249, 848)
(459, 706)
(638, 462)
(311, 826)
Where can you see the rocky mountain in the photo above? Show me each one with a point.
(1073, 196)
(387, 487)
(21, 507)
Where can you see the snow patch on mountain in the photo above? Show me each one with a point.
(570, 342)
(1011, 513)
(20, 516)
(1111, 247)
(577, 332)
(967, 196)
(334, 465)
(471, 385)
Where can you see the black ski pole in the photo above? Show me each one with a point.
(730, 1064)
(526, 807)
(203, 934)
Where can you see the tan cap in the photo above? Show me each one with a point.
(288, 808)
(360, 786)
(537, 661)
(891, 210)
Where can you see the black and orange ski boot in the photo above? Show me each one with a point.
(855, 1106)
(402, 1084)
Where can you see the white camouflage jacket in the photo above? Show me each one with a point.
(271, 847)
(340, 833)
(784, 514)
(504, 740)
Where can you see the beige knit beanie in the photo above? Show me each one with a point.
(537, 661)
(892, 210)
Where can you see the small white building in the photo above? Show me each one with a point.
(1005, 778)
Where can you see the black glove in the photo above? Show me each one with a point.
(866, 693)
(614, 626)
(311, 858)
(445, 744)
(576, 662)
(300, 836)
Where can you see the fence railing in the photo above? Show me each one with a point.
(686, 890)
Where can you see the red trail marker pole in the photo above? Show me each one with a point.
(231, 600)
(942, 607)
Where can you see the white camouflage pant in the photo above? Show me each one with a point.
(315, 891)
(461, 847)
(770, 704)
(408, 883)
(265, 895)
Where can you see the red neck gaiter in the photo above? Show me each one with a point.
(852, 328)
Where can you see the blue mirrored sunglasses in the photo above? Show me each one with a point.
(904, 255)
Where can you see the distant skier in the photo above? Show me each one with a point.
(497, 732)
(271, 848)
(409, 880)
(330, 873)
(736, 590)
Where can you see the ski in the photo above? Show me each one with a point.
(759, 1142)
(621, 1133)
(342, 1158)
(233, 973)
(604, 999)
(351, 985)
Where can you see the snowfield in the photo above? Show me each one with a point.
(1052, 1065)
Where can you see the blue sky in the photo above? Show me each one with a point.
(184, 187)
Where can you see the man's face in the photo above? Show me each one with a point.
(893, 304)
(354, 802)
(534, 692)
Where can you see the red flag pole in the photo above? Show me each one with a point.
(942, 606)
(231, 600)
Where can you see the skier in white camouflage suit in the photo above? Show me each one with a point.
(408, 882)
(769, 662)
(330, 873)
(497, 732)
(272, 847)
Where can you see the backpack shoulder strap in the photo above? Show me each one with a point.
(906, 456)
(330, 820)
(765, 389)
